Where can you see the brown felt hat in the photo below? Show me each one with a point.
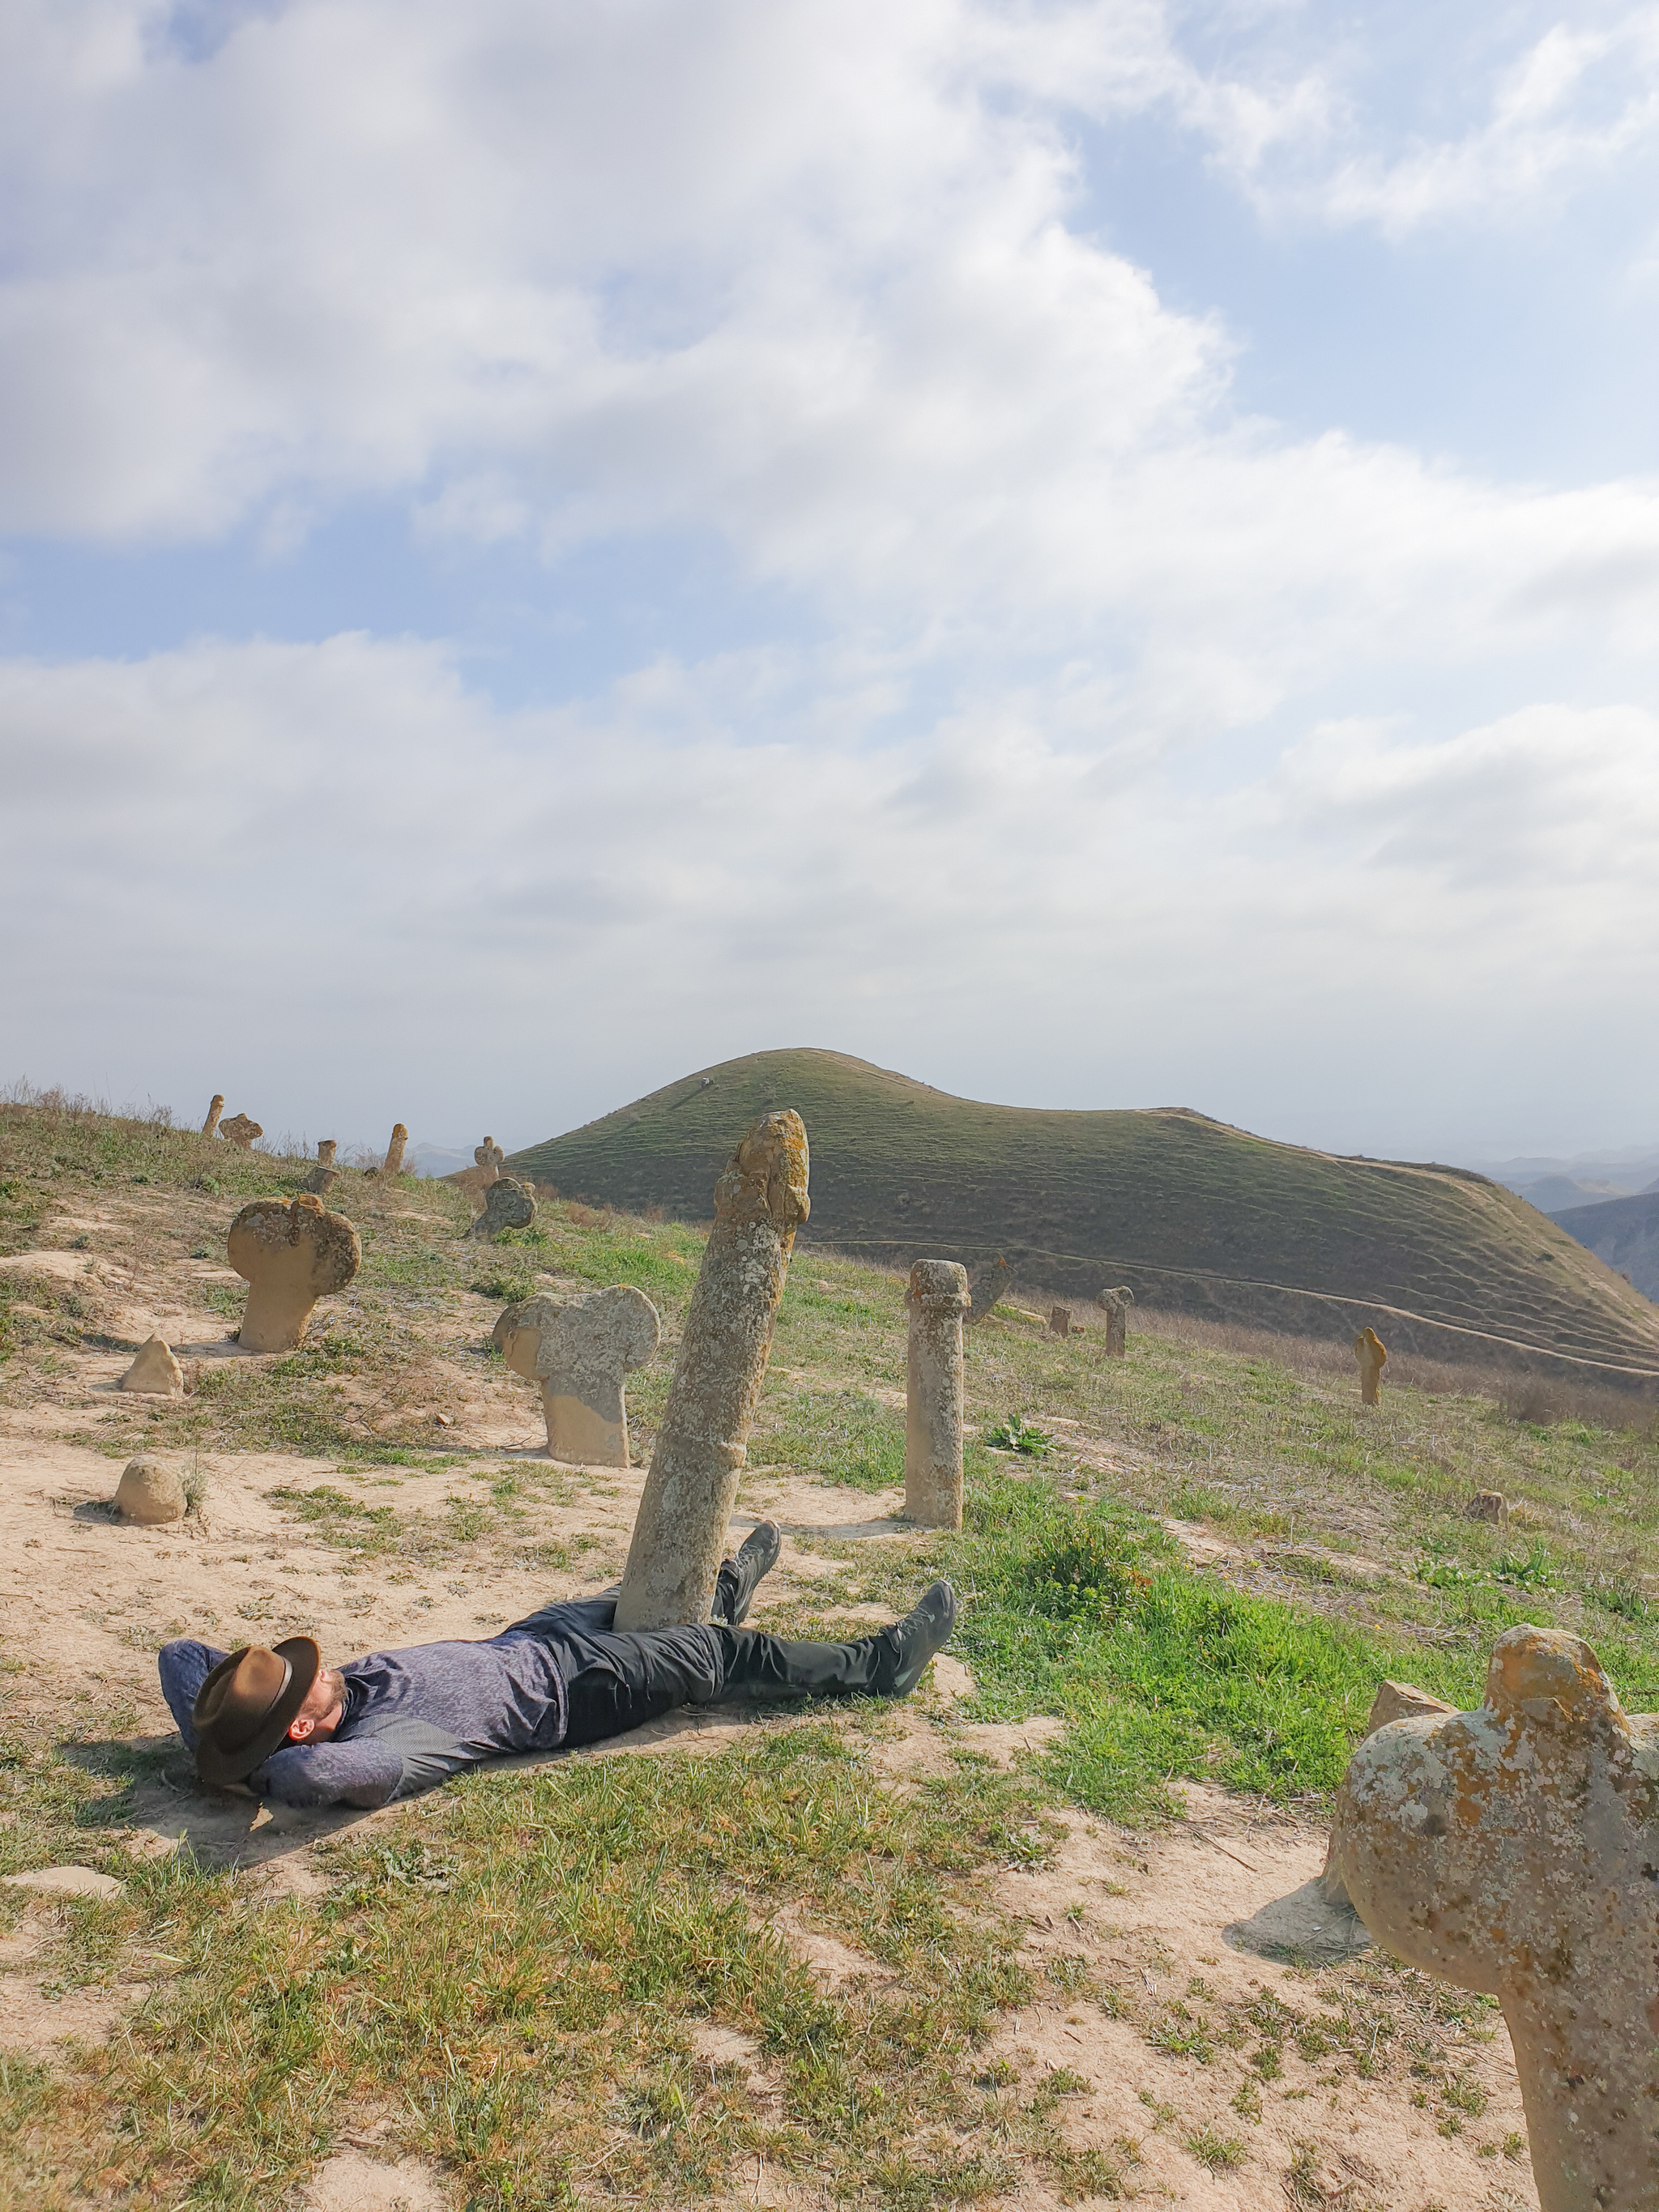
(243, 1709)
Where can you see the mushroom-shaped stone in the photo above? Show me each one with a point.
(291, 1255)
(986, 1285)
(321, 1180)
(154, 1372)
(1370, 1352)
(1060, 1320)
(508, 1204)
(1513, 1851)
(1116, 1304)
(393, 1163)
(1488, 1505)
(240, 1131)
(580, 1350)
(210, 1127)
(149, 1492)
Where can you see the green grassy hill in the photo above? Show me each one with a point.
(1193, 1214)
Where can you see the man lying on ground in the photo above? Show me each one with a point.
(282, 1725)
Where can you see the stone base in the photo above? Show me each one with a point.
(581, 1438)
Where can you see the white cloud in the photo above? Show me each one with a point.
(320, 875)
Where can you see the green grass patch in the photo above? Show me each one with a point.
(839, 1435)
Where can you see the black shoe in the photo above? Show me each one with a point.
(923, 1631)
(756, 1557)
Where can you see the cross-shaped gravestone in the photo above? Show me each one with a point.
(1514, 1851)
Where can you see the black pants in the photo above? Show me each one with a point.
(618, 1678)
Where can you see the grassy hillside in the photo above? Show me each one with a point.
(1624, 1232)
(1197, 1217)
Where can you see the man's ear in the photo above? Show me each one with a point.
(301, 1726)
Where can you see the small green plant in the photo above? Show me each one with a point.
(1619, 1593)
(1219, 2153)
(1018, 1435)
(1532, 1569)
(498, 1284)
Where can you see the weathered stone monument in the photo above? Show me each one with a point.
(1514, 1851)
(679, 1534)
(937, 1303)
(154, 1372)
(240, 1131)
(291, 1255)
(987, 1285)
(324, 1176)
(1060, 1320)
(150, 1492)
(393, 1162)
(210, 1127)
(487, 1157)
(1115, 1305)
(580, 1350)
(1370, 1352)
(1488, 1505)
(508, 1204)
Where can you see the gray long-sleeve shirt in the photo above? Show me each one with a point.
(413, 1717)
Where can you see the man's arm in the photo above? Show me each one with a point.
(362, 1771)
(184, 1666)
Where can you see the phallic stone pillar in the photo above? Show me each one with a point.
(1512, 1850)
(581, 1351)
(394, 1151)
(679, 1534)
(290, 1257)
(1370, 1352)
(1115, 1305)
(240, 1131)
(210, 1127)
(938, 1303)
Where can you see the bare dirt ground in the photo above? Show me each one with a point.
(85, 1600)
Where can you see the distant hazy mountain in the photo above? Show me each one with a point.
(435, 1160)
(1558, 1191)
(1597, 1175)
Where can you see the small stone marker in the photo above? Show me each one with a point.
(291, 1255)
(1060, 1320)
(986, 1285)
(581, 1351)
(1370, 1352)
(66, 1881)
(1115, 1305)
(210, 1127)
(937, 1303)
(508, 1204)
(679, 1533)
(1488, 1505)
(150, 1492)
(321, 1180)
(154, 1372)
(1512, 1850)
(393, 1162)
(240, 1131)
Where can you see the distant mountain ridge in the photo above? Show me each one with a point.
(1193, 1214)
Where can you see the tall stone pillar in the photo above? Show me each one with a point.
(679, 1534)
(938, 1302)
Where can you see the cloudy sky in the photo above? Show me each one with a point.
(1098, 554)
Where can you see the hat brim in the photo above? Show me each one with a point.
(305, 1661)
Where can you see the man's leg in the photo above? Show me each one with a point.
(626, 1678)
(889, 1664)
